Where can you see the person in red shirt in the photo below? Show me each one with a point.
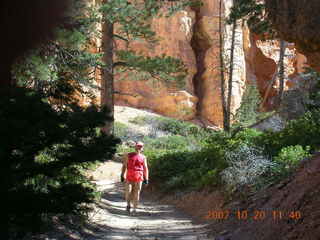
(134, 172)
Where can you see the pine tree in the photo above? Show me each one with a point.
(47, 152)
(133, 20)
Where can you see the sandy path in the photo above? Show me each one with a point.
(154, 221)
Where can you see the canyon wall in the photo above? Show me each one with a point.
(174, 34)
(193, 36)
(299, 23)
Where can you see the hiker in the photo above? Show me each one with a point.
(136, 169)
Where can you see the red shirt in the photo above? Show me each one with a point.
(135, 167)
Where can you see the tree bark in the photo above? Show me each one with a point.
(230, 81)
(278, 73)
(281, 72)
(107, 97)
(222, 69)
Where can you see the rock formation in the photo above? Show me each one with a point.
(193, 36)
(298, 23)
(175, 35)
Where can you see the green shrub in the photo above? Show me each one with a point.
(284, 164)
(168, 143)
(187, 169)
(178, 127)
(211, 178)
(248, 113)
(290, 156)
(304, 131)
(246, 136)
(125, 133)
(121, 130)
(141, 120)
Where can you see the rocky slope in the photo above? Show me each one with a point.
(287, 211)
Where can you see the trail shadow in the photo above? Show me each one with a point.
(153, 220)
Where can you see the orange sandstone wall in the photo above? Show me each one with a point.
(193, 36)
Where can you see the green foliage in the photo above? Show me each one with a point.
(189, 168)
(169, 143)
(303, 131)
(248, 113)
(247, 136)
(133, 18)
(45, 154)
(290, 156)
(141, 120)
(284, 165)
(182, 128)
(186, 169)
(56, 65)
(313, 77)
(174, 126)
(121, 130)
(168, 69)
(254, 13)
(245, 159)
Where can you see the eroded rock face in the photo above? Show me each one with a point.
(175, 35)
(206, 45)
(298, 22)
(262, 58)
(193, 36)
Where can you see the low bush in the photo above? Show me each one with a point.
(304, 131)
(169, 143)
(291, 156)
(125, 133)
(246, 165)
(183, 128)
(121, 130)
(142, 120)
(187, 169)
(283, 165)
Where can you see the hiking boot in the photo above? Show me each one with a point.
(128, 208)
(134, 212)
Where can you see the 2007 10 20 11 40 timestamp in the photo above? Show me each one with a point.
(254, 215)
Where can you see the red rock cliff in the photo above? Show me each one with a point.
(193, 36)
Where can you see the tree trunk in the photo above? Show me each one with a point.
(281, 71)
(278, 73)
(230, 81)
(222, 69)
(107, 98)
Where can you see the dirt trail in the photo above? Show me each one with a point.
(154, 221)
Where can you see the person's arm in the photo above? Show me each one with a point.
(146, 170)
(124, 165)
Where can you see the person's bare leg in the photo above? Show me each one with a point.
(136, 189)
(128, 193)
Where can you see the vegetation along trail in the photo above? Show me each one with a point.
(153, 221)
